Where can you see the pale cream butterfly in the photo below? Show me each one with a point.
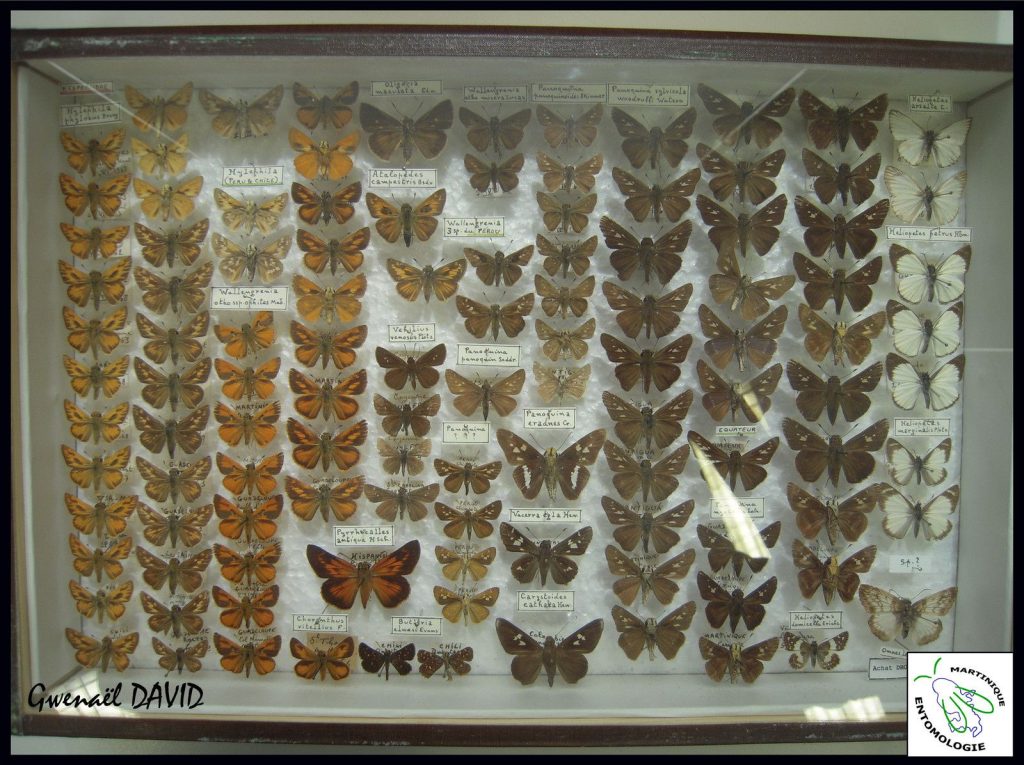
(904, 465)
(937, 390)
(938, 203)
(917, 279)
(917, 145)
(930, 519)
(913, 335)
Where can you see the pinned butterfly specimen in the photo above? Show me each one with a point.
(484, 176)
(322, 662)
(100, 561)
(104, 196)
(328, 397)
(745, 178)
(374, 661)
(851, 458)
(175, 619)
(823, 232)
(566, 470)
(404, 458)
(90, 652)
(94, 335)
(936, 203)
(186, 527)
(184, 244)
(559, 177)
(185, 387)
(251, 609)
(815, 395)
(468, 475)
(455, 564)
(314, 205)
(84, 287)
(563, 300)
(347, 252)
(248, 656)
(660, 257)
(566, 256)
(155, 434)
(642, 526)
(97, 153)
(453, 662)
(748, 466)
(95, 242)
(827, 125)
(498, 393)
(183, 342)
(319, 159)
(418, 371)
(928, 519)
(914, 336)
(558, 383)
(722, 551)
(250, 337)
(161, 114)
(564, 343)
(92, 426)
(891, 616)
(575, 129)
(667, 634)
(660, 367)
(636, 313)
(185, 482)
(904, 465)
(670, 198)
(734, 605)
(249, 521)
(102, 603)
(183, 657)
(242, 119)
(919, 280)
(339, 447)
(176, 292)
(837, 285)
(654, 479)
(315, 303)
(252, 477)
(935, 390)
(323, 346)
(248, 214)
(160, 203)
(855, 184)
(468, 522)
(466, 605)
(752, 397)
(442, 281)
(758, 231)
(404, 501)
(747, 663)
(746, 121)
(756, 343)
(245, 383)
(250, 260)
(567, 657)
(565, 215)
(829, 574)
(106, 378)
(102, 518)
(545, 556)
(917, 145)
(258, 564)
(642, 145)
(743, 293)
(815, 653)
(385, 578)
(661, 427)
(333, 111)
(170, 157)
(425, 134)
(500, 267)
(509, 318)
(484, 133)
(175, 572)
(102, 470)
(840, 339)
(645, 579)
(337, 499)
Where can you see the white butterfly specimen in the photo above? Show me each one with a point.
(917, 145)
(928, 518)
(904, 465)
(909, 200)
(891, 616)
(910, 387)
(917, 279)
(913, 335)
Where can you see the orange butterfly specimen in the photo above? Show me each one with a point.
(566, 470)
(645, 579)
(563, 300)
(175, 571)
(346, 252)
(757, 343)
(315, 345)
(248, 382)
(852, 458)
(655, 479)
(468, 522)
(250, 260)
(744, 178)
(722, 551)
(175, 619)
(848, 517)
(110, 603)
(257, 563)
(106, 378)
(339, 447)
(661, 426)
(443, 281)
(250, 337)
(891, 616)
(92, 426)
(566, 657)
(635, 313)
(667, 634)
(857, 183)
(466, 605)
(175, 342)
(499, 267)
(743, 293)
(95, 242)
(565, 343)
(746, 121)
(734, 605)
(642, 526)
(99, 471)
(402, 502)
(327, 397)
(328, 498)
(314, 205)
(484, 133)
(853, 341)
(315, 303)
(559, 177)
(642, 144)
(155, 434)
(659, 256)
(823, 232)
(160, 203)
(419, 371)
(90, 652)
(758, 231)
(738, 661)
(475, 477)
(456, 564)
(660, 367)
(384, 578)
(565, 215)
(425, 134)
(815, 395)
(481, 319)
(398, 658)
(313, 662)
(405, 417)
(183, 244)
(484, 176)
(545, 556)
(244, 658)
(242, 119)
(752, 397)
(183, 657)
(829, 574)
(321, 159)
(500, 394)
(249, 426)
(161, 114)
(453, 662)
(748, 466)
(102, 518)
(96, 153)
(251, 477)
(186, 291)
(159, 389)
(559, 131)
(807, 651)
(169, 156)
(559, 383)
(404, 220)
(314, 109)
(94, 335)
(566, 256)
(105, 196)
(251, 609)
(100, 561)
(670, 198)
(95, 285)
(187, 526)
(822, 285)
(185, 482)
(248, 214)
(827, 125)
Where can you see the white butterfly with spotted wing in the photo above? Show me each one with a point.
(917, 145)
(913, 335)
(904, 465)
(928, 518)
(937, 390)
(938, 203)
(917, 279)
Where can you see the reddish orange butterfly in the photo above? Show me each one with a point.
(314, 205)
(315, 345)
(313, 662)
(251, 609)
(319, 159)
(442, 281)
(314, 109)
(109, 603)
(88, 561)
(106, 378)
(185, 526)
(385, 578)
(103, 470)
(250, 337)
(315, 303)
(251, 477)
(95, 285)
(161, 114)
(341, 447)
(465, 605)
(95, 242)
(337, 499)
(161, 203)
(257, 564)
(346, 252)
(105, 196)
(405, 220)
(95, 153)
(103, 518)
(244, 658)
(248, 382)
(95, 335)
(170, 156)
(92, 426)
(328, 397)
(248, 521)
(90, 652)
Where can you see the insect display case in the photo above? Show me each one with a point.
(599, 388)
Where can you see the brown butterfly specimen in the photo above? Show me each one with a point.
(316, 303)
(94, 286)
(248, 656)
(384, 578)
(661, 426)
(250, 337)
(324, 346)
(332, 111)
(815, 395)
(175, 342)
(545, 556)
(465, 605)
(722, 551)
(95, 335)
(745, 178)
(649, 578)
(455, 564)
(404, 501)
(159, 113)
(155, 434)
(425, 134)
(827, 125)
(655, 479)
(406, 417)
(187, 291)
(339, 447)
(100, 561)
(101, 470)
(257, 564)
(566, 470)
(670, 198)
(99, 196)
(756, 343)
(497, 393)
(316, 205)
(567, 658)
(484, 132)
(405, 458)
(185, 387)
(642, 145)
(747, 663)
(106, 378)
(822, 654)
(328, 397)
(642, 526)
(249, 521)
(851, 458)
(103, 518)
(97, 153)
(848, 517)
(186, 527)
(565, 215)
(734, 605)
(322, 662)
(346, 252)
(575, 129)
(338, 499)
(563, 300)
(90, 652)
(509, 318)
(93, 426)
(242, 119)
(468, 522)
(468, 475)
(251, 477)
(565, 343)
(660, 367)
(660, 257)
(237, 261)
(95, 242)
(746, 121)
(822, 285)
(752, 397)
(160, 203)
(636, 313)
(102, 603)
(175, 572)
(484, 176)
(166, 246)
(185, 482)
(748, 466)
(852, 341)
(245, 383)
(892, 616)
(758, 231)
(559, 383)
(320, 159)
(741, 292)
(635, 633)
(176, 619)
(500, 267)
(453, 662)
(374, 661)
(170, 156)
(251, 609)
(829, 574)
(566, 256)
(418, 371)
(559, 177)
(248, 214)
(442, 281)
(823, 232)
(856, 183)
(183, 657)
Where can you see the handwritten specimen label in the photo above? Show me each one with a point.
(415, 625)
(411, 333)
(895, 652)
(752, 507)
(402, 178)
(886, 669)
(455, 228)
(85, 88)
(249, 298)
(729, 431)
(503, 93)
(465, 432)
(913, 426)
(545, 600)
(364, 536)
(926, 234)
(77, 115)
(568, 92)
(550, 418)
(812, 620)
(320, 622)
(932, 103)
(252, 175)
(910, 564)
(488, 355)
(405, 88)
(572, 515)
(648, 94)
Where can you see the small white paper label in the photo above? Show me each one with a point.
(926, 234)
(252, 175)
(85, 88)
(415, 625)
(813, 620)
(549, 418)
(733, 431)
(504, 93)
(402, 178)
(910, 564)
(648, 94)
(405, 88)
(895, 653)
(568, 92)
(249, 298)
(913, 426)
(411, 333)
(886, 669)
(364, 536)
(78, 115)
(571, 515)
(320, 622)
(933, 103)
(752, 507)
(488, 355)
(544, 600)
(466, 432)
(456, 228)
